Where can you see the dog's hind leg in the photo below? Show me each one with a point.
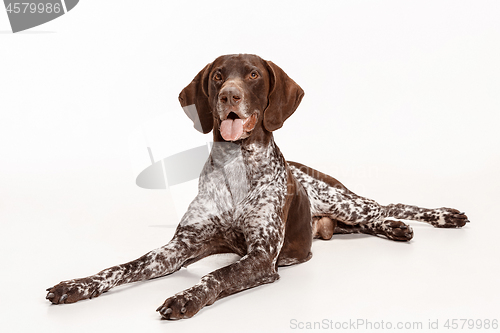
(336, 208)
(325, 228)
(439, 217)
(394, 230)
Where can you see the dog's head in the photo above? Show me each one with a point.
(237, 95)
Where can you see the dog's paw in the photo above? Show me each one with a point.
(184, 304)
(448, 218)
(397, 230)
(181, 306)
(72, 291)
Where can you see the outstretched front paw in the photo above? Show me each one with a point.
(449, 218)
(185, 304)
(72, 291)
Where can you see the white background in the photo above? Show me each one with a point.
(402, 105)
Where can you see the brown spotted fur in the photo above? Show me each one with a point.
(251, 201)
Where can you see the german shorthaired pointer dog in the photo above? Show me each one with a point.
(251, 201)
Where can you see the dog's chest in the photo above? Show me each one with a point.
(238, 180)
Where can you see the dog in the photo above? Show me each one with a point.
(251, 201)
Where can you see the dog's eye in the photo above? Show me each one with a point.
(217, 77)
(254, 75)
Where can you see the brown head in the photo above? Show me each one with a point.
(240, 96)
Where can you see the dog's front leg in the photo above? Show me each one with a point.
(190, 241)
(257, 267)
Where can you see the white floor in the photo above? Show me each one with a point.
(401, 105)
(440, 275)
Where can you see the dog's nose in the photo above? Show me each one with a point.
(230, 95)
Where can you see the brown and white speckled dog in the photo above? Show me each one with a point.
(251, 201)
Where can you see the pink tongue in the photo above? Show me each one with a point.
(231, 130)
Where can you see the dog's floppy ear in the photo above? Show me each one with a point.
(194, 101)
(284, 98)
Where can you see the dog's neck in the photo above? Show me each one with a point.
(253, 154)
(247, 162)
(253, 150)
(244, 164)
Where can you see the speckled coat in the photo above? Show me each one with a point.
(250, 200)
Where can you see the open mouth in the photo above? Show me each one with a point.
(233, 116)
(233, 127)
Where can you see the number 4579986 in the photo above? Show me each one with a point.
(471, 324)
(27, 7)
